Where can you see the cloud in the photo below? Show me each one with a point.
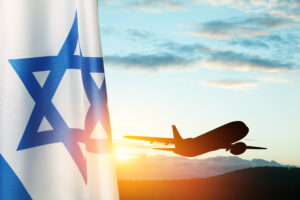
(169, 55)
(246, 28)
(244, 5)
(250, 43)
(131, 33)
(163, 167)
(278, 8)
(232, 84)
(194, 49)
(225, 30)
(148, 5)
(149, 62)
(156, 5)
(235, 84)
(276, 79)
(229, 60)
(199, 55)
(288, 9)
(186, 56)
(274, 38)
(268, 22)
(138, 34)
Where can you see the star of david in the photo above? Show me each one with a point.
(44, 107)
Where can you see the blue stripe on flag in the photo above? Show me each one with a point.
(10, 185)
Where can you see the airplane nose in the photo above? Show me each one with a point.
(243, 127)
(246, 129)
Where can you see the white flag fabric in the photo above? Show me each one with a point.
(55, 138)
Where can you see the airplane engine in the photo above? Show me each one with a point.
(238, 148)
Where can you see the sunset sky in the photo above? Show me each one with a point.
(199, 64)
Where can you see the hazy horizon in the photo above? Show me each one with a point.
(160, 167)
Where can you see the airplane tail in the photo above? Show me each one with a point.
(176, 133)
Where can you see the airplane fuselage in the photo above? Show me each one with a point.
(220, 138)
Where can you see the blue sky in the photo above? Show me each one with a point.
(200, 64)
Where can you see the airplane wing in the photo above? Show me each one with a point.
(152, 139)
(251, 147)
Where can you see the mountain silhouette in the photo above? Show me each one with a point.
(160, 167)
(252, 183)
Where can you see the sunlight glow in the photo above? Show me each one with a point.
(123, 153)
(123, 157)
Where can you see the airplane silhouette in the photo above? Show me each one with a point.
(223, 137)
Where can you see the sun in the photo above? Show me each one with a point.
(123, 157)
(123, 153)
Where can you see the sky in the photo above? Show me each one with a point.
(199, 64)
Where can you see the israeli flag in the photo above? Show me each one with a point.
(55, 137)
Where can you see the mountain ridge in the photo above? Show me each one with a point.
(251, 183)
(161, 167)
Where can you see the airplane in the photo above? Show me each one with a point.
(224, 137)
